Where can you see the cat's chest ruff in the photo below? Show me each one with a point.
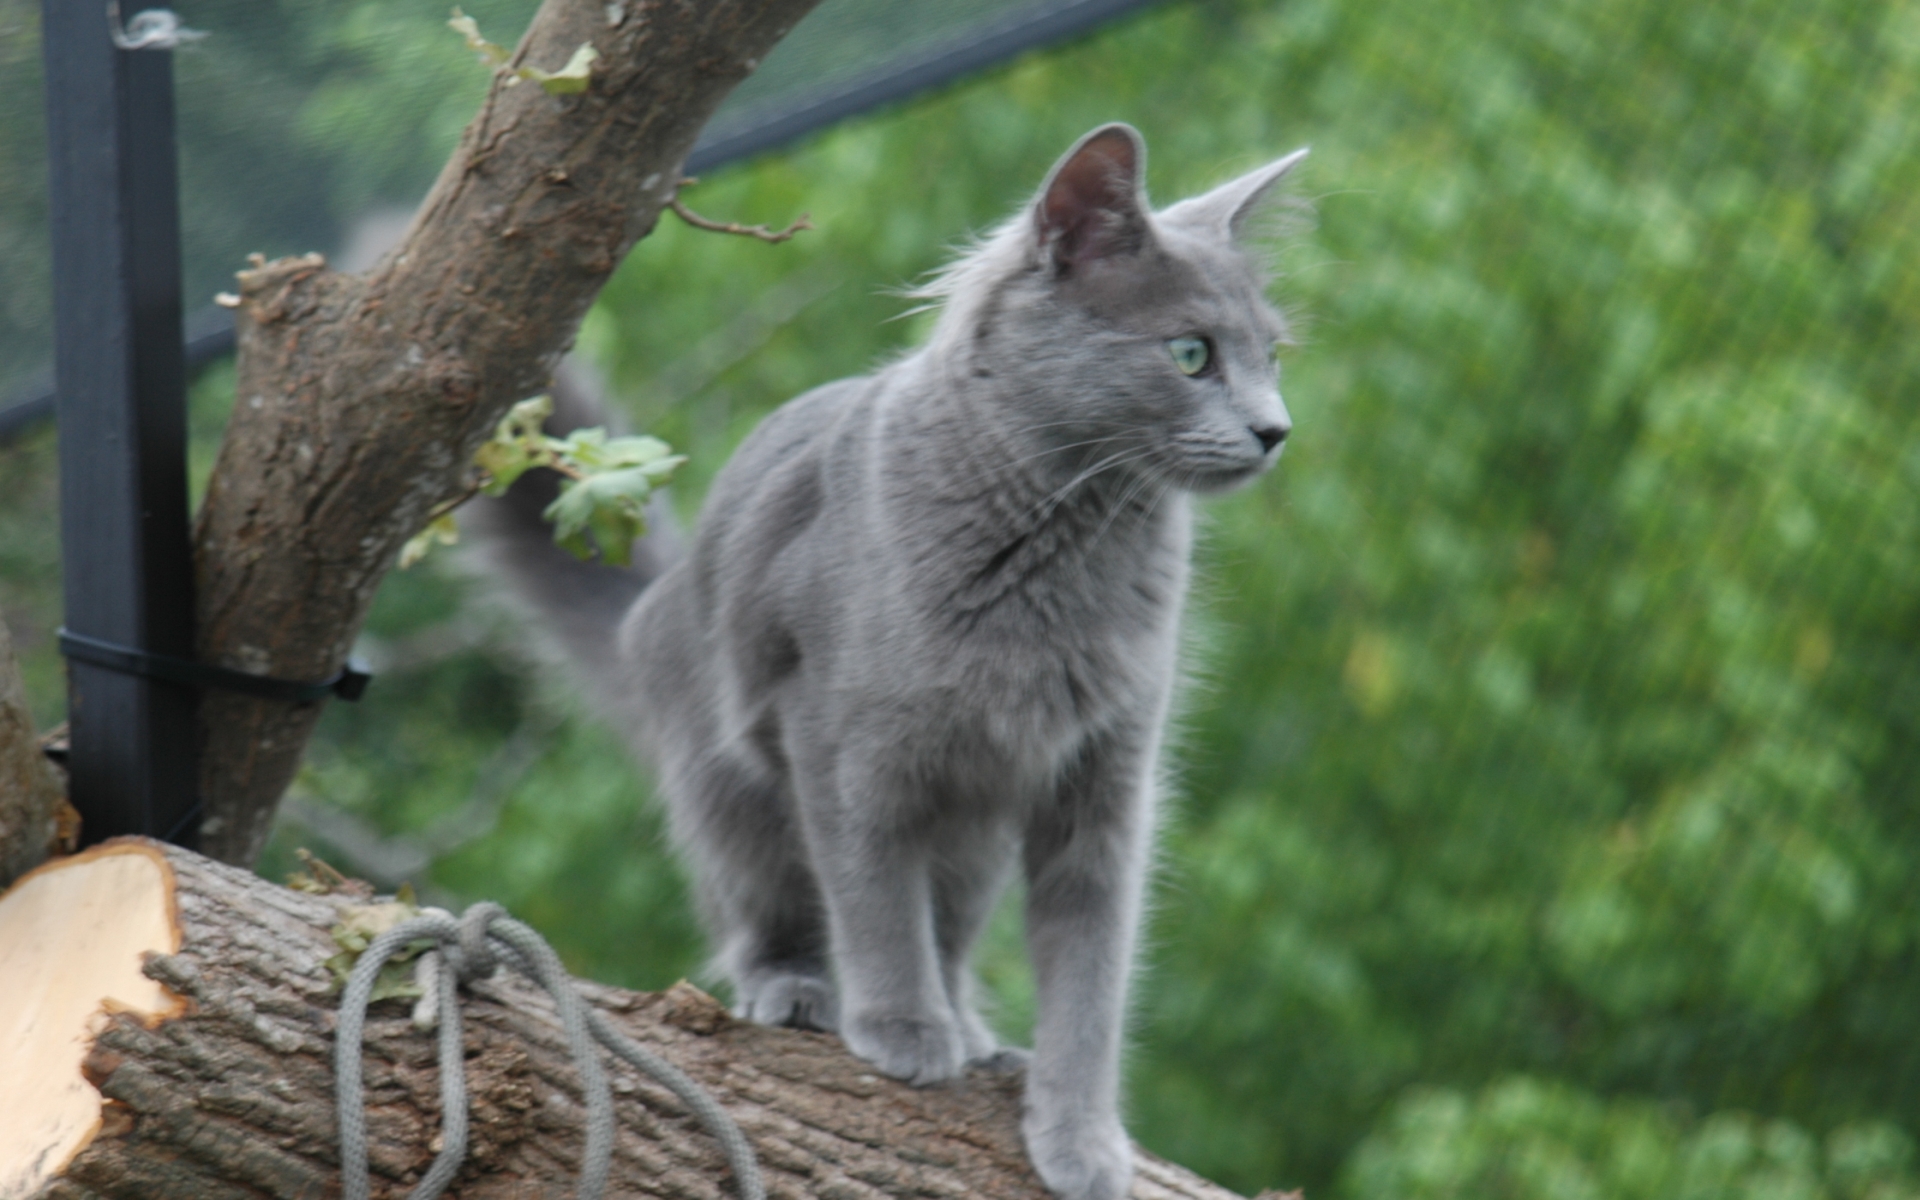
(1062, 643)
(1061, 690)
(1107, 575)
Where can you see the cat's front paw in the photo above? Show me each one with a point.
(1080, 1161)
(1001, 1060)
(915, 1049)
(789, 998)
(981, 1045)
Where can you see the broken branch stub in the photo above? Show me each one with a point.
(34, 813)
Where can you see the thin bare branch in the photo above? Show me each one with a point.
(694, 219)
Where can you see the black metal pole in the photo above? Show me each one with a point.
(126, 553)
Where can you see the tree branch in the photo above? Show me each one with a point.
(33, 797)
(361, 399)
(694, 219)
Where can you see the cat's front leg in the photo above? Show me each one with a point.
(875, 875)
(1086, 858)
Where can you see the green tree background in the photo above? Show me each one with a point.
(1546, 820)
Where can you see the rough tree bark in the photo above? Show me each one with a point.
(361, 398)
(32, 793)
(220, 1085)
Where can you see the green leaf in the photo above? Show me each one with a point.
(395, 979)
(571, 512)
(591, 451)
(660, 471)
(575, 543)
(490, 54)
(568, 80)
(611, 506)
(524, 419)
(635, 451)
(584, 448)
(442, 529)
(517, 445)
(358, 926)
(503, 462)
(615, 532)
(601, 509)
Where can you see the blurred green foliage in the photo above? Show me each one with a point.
(1547, 817)
(1524, 1137)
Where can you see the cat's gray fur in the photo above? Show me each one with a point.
(926, 631)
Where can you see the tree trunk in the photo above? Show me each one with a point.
(218, 1082)
(32, 793)
(361, 398)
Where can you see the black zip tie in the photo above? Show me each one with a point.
(348, 683)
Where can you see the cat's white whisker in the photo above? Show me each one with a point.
(1060, 449)
(1060, 494)
(1140, 483)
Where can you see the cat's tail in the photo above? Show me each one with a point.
(577, 604)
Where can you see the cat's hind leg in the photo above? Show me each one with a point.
(969, 873)
(780, 972)
(757, 893)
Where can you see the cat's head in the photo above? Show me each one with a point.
(1122, 334)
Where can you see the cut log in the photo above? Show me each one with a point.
(207, 1072)
(73, 937)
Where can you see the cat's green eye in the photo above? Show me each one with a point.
(1190, 354)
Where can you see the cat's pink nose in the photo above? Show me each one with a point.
(1271, 436)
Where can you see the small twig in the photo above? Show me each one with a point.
(478, 482)
(474, 484)
(324, 880)
(753, 231)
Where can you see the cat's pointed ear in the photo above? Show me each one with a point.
(1228, 210)
(1091, 207)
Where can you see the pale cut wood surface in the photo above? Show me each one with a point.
(72, 938)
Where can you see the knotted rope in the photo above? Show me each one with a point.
(470, 948)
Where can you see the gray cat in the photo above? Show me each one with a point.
(926, 630)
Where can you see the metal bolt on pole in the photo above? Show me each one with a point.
(126, 551)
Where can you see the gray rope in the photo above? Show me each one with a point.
(471, 948)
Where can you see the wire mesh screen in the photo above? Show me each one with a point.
(26, 300)
(848, 40)
(297, 120)
(1547, 820)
